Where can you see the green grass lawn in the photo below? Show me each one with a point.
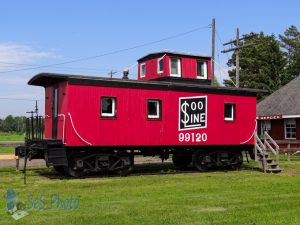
(11, 137)
(7, 150)
(247, 196)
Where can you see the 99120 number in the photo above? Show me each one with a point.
(192, 137)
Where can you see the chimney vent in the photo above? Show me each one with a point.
(125, 74)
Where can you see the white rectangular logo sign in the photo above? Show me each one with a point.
(192, 112)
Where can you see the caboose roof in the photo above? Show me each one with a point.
(285, 101)
(171, 53)
(47, 79)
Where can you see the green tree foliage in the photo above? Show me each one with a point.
(290, 42)
(261, 65)
(216, 82)
(13, 124)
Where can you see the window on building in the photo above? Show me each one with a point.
(154, 109)
(290, 128)
(108, 107)
(229, 112)
(265, 126)
(175, 65)
(160, 65)
(201, 70)
(143, 69)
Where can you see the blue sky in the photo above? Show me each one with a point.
(48, 32)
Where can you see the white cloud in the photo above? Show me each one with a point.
(19, 54)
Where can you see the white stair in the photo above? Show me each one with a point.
(267, 153)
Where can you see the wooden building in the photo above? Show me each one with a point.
(279, 115)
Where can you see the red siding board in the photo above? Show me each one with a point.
(62, 109)
(298, 128)
(48, 111)
(277, 129)
(132, 128)
(188, 68)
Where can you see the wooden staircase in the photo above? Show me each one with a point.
(267, 153)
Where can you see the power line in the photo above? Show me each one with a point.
(221, 43)
(21, 99)
(113, 52)
(59, 67)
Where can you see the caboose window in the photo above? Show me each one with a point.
(160, 65)
(201, 70)
(154, 109)
(229, 112)
(143, 69)
(108, 107)
(175, 65)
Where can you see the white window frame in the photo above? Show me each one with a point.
(178, 65)
(232, 118)
(205, 69)
(285, 131)
(158, 68)
(158, 107)
(266, 125)
(141, 70)
(113, 113)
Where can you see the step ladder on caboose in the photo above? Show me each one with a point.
(267, 153)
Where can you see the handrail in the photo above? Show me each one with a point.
(270, 147)
(76, 130)
(259, 141)
(261, 148)
(268, 137)
(271, 139)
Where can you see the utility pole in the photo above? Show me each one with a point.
(213, 51)
(111, 73)
(238, 45)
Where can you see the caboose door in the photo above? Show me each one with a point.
(55, 112)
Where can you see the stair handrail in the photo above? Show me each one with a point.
(275, 151)
(261, 148)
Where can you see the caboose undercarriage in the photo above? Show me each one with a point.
(78, 161)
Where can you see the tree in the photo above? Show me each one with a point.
(261, 65)
(13, 124)
(290, 42)
(216, 82)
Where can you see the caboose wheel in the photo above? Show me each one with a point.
(72, 169)
(181, 159)
(202, 161)
(122, 164)
(236, 160)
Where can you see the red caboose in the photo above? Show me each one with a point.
(96, 124)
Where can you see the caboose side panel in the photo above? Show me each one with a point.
(131, 127)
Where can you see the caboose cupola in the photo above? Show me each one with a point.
(167, 65)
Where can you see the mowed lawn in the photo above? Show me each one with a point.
(11, 136)
(7, 150)
(247, 196)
